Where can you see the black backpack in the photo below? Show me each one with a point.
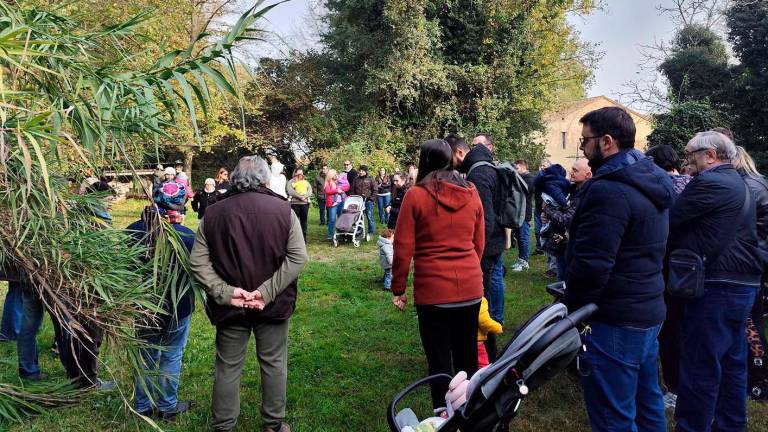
(757, 362)
(512, 194)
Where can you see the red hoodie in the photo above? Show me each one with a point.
(441, 228)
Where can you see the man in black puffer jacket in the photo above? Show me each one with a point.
(716, 218)
(474, 163)
(614, 259)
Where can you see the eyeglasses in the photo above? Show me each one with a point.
(688, 154)
(583, 140)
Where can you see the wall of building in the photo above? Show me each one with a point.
(564, 127)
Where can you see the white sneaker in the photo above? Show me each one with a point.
(519, 266)
(670, 401)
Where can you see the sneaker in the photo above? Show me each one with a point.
(152, 412)
(181, 407)
(538, 252)
(105, 386)
(520, 265)
(670, 401)
(283, 428)
(42, 376)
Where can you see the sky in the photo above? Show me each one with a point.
(619, 30)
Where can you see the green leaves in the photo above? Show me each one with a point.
(71, 96)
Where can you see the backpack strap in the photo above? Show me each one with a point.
(477, 164)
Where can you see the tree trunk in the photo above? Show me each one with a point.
(188, 157)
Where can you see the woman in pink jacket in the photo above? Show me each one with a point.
(334, 198)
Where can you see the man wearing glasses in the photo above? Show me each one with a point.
(614, 259)
(715, 218)
(351, 172)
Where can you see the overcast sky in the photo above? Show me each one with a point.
(619, 30)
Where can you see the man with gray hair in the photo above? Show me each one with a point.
(248, 253)
(714, 217)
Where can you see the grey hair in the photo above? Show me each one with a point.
(250, 173)
(721, 144)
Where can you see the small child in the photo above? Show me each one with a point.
(553, 182)
(386, 253)
(485, 325)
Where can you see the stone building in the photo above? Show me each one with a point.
(563, 128)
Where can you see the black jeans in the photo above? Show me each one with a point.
(487, 263)
(80, 357)
(449, 338)
(302, 211)
(670, 341)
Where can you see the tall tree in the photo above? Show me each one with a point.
(429, 67)
(748, 33)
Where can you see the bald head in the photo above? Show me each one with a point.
(580, 172)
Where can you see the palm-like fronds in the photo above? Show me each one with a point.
(65, 91)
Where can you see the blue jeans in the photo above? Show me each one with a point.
(524, 241)
(383, 202)
(12, 312)
(332, 215)
(560, 261)
(162, 364)
(321, 208)
(496, 300)
(537, 229)
(388, 279)
(622, 391)
(369, 216)
(713, 362)
(26, 343)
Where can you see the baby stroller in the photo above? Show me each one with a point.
(540, 349)
(351, 223)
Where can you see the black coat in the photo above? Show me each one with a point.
(705, 219)
(617, 242)
(759, 189)
(528, 179)
(397, 200)
(485, 179)
(202, 200)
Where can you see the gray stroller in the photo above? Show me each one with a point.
(540, 349)
(351, 223)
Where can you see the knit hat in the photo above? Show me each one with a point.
(170, 171)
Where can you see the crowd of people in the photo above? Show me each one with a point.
(672, 251)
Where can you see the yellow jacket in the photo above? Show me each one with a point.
(486, 324)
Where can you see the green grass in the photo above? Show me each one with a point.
(350, 352)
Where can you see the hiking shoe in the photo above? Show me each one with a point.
(520, 265)
(670, 401)
(181, 407)
(283, 428)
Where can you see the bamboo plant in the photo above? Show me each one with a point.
(64, 91)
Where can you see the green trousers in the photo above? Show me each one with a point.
(272, 353)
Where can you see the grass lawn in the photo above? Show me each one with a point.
(350, 352)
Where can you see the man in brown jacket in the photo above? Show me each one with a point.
(248, 253)
(366, 187)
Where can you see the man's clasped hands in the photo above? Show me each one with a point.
(247, 299)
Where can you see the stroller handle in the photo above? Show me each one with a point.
(400, 396)
(567, 323)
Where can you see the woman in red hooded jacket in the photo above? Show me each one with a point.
(441, 228)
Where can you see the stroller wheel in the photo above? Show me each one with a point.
(335, 242)
(356, 243)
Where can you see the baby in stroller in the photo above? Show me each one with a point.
(490, 399)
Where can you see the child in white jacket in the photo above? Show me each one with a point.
(386, 253)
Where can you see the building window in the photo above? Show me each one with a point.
(562, 139)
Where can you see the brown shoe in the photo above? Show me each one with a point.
(283, 428)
